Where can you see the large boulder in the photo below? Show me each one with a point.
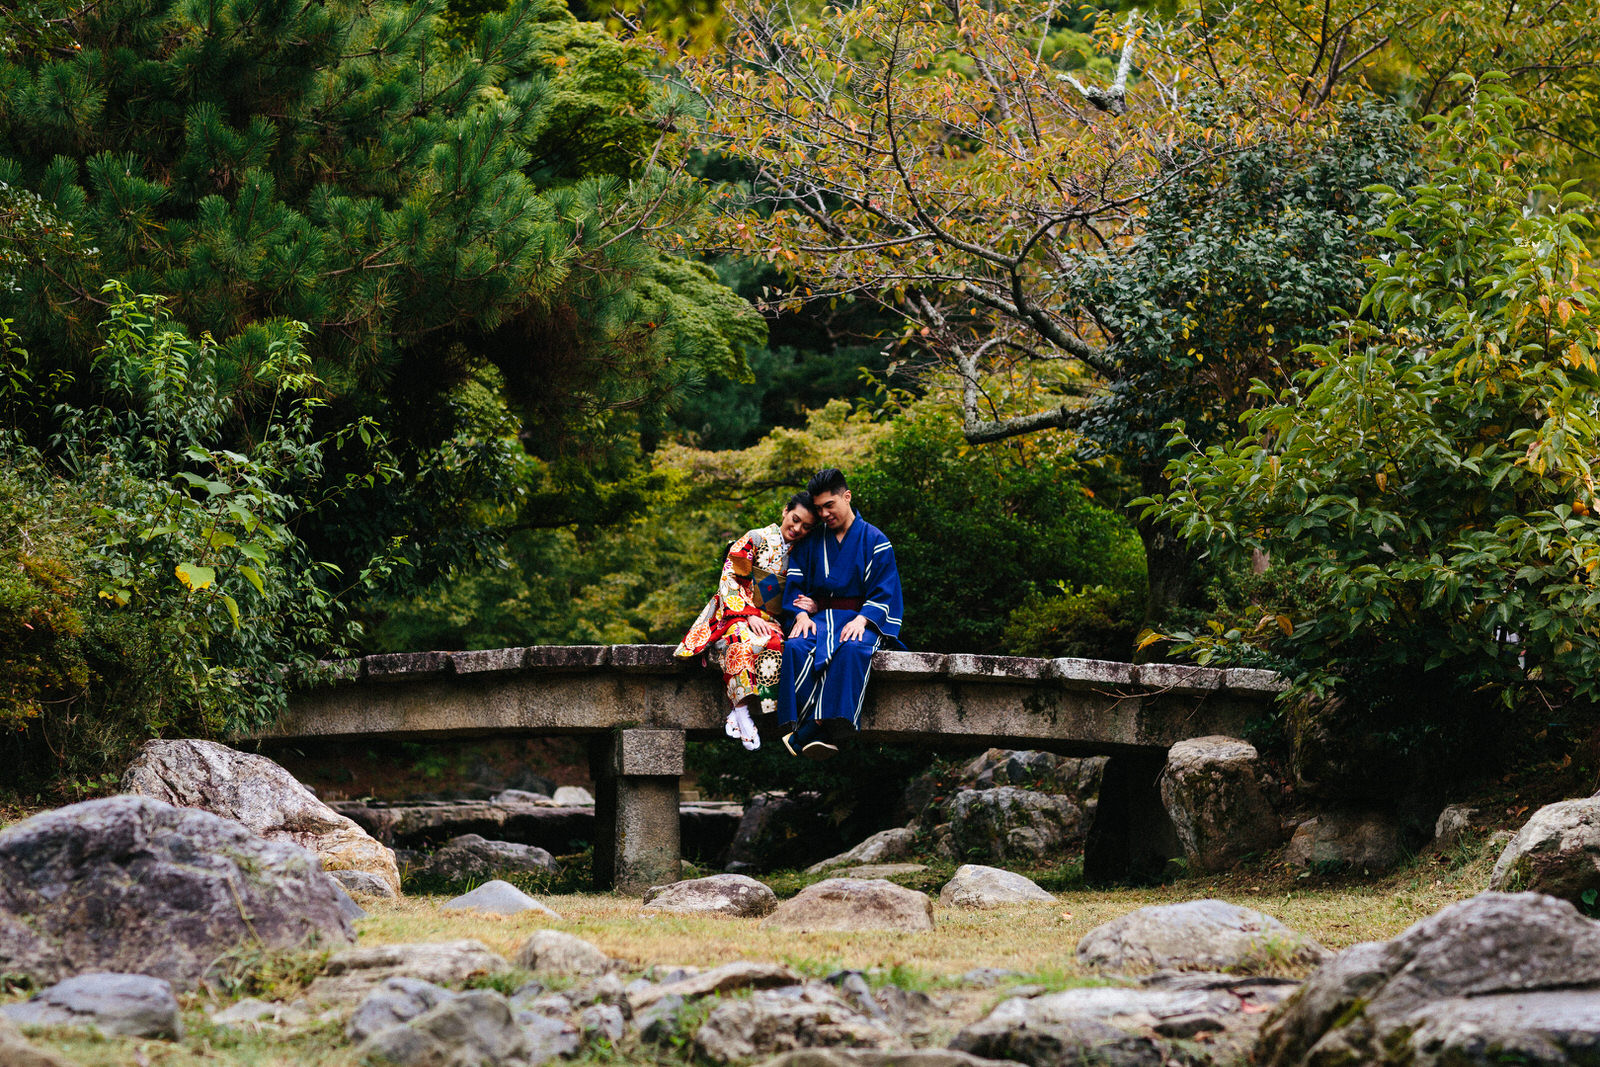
(782, 1020)
(848, 904)
(134, 1005)
(133, 885)
(733, 895)
(260, 794)
(472, 858)
(976, 886)
(1213, 791)
(1557, 852)
(1365, 840)
(1499, 978)
(1006, 823)
(1198, 935)
(885, 846)
(1115, 1026)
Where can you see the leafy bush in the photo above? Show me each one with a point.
(977, 531)
(1431, 476)
(1094, 621)
(150, 578)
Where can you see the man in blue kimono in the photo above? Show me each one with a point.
(848, 570)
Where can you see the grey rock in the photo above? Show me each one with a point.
(253, 1014)
(349, 976)
(550, 1005)
(397, 1001)
(364, 883)
(661, 1020)
(471, 857)
(347, 903)
(1557, 851)
(498, 898)
(607, 989)
(521, 796)
(572, 795)
(782, 1020)
(1495, 979)
(178, 881)
(1364, 840)
(549, 1037)
(848, 904)
(602, 1022)
(741, 974)
(721, 894)
(861, 1057)
(257, 792)
(976, 886)
(1126, 1025)
(15, 1051)
(1213, 790)
(473, 1028)
(1207, 935)
(1453, 823)
(886, 846)
(554, 952)
(133, 1005)
(881, 870)
(1010, 824)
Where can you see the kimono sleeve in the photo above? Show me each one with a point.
(794, 584)
(738, 598)
(882, 578)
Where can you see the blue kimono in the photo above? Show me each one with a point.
(825, 679)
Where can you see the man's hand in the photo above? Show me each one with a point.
(854, 629)
(803, 626)
(760, 626)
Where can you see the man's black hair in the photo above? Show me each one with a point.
(827, 480)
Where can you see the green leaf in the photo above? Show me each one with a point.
(195, 576)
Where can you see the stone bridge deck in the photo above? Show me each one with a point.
(640, 703)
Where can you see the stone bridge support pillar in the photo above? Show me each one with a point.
(1132, 837)
(636, 772)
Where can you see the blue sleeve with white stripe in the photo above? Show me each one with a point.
(794, 584)
(883, 607)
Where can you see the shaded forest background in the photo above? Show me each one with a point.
(385, 326)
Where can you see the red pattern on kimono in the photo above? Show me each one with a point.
(750, 664)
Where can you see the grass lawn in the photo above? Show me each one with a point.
(1036, 940)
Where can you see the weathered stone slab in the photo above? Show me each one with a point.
(1088, 673)
(741, 974)
(650, 658)
(350, 975)
(782, 1020)
(967, 666)
(555, 952)
(134, 1005)
(488, 661)
(1248, 680)
(566, 657)
(907, 664)
(1178, 678)
(405, 665)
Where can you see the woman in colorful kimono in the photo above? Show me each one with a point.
(738, 630)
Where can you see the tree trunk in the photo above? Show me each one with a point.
(1170, 565)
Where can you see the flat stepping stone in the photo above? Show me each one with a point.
(850, 904)
(498, 898)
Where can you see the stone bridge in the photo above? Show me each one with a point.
(639, 704)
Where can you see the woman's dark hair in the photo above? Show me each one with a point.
(827, 480)
(802, 499)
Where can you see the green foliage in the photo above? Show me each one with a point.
(1430, 477)
(1018, 508)
(152, 577)
(1092, 621)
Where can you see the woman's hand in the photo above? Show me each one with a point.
(806, 604)
(760, 626)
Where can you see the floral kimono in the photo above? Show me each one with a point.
(751, 584)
